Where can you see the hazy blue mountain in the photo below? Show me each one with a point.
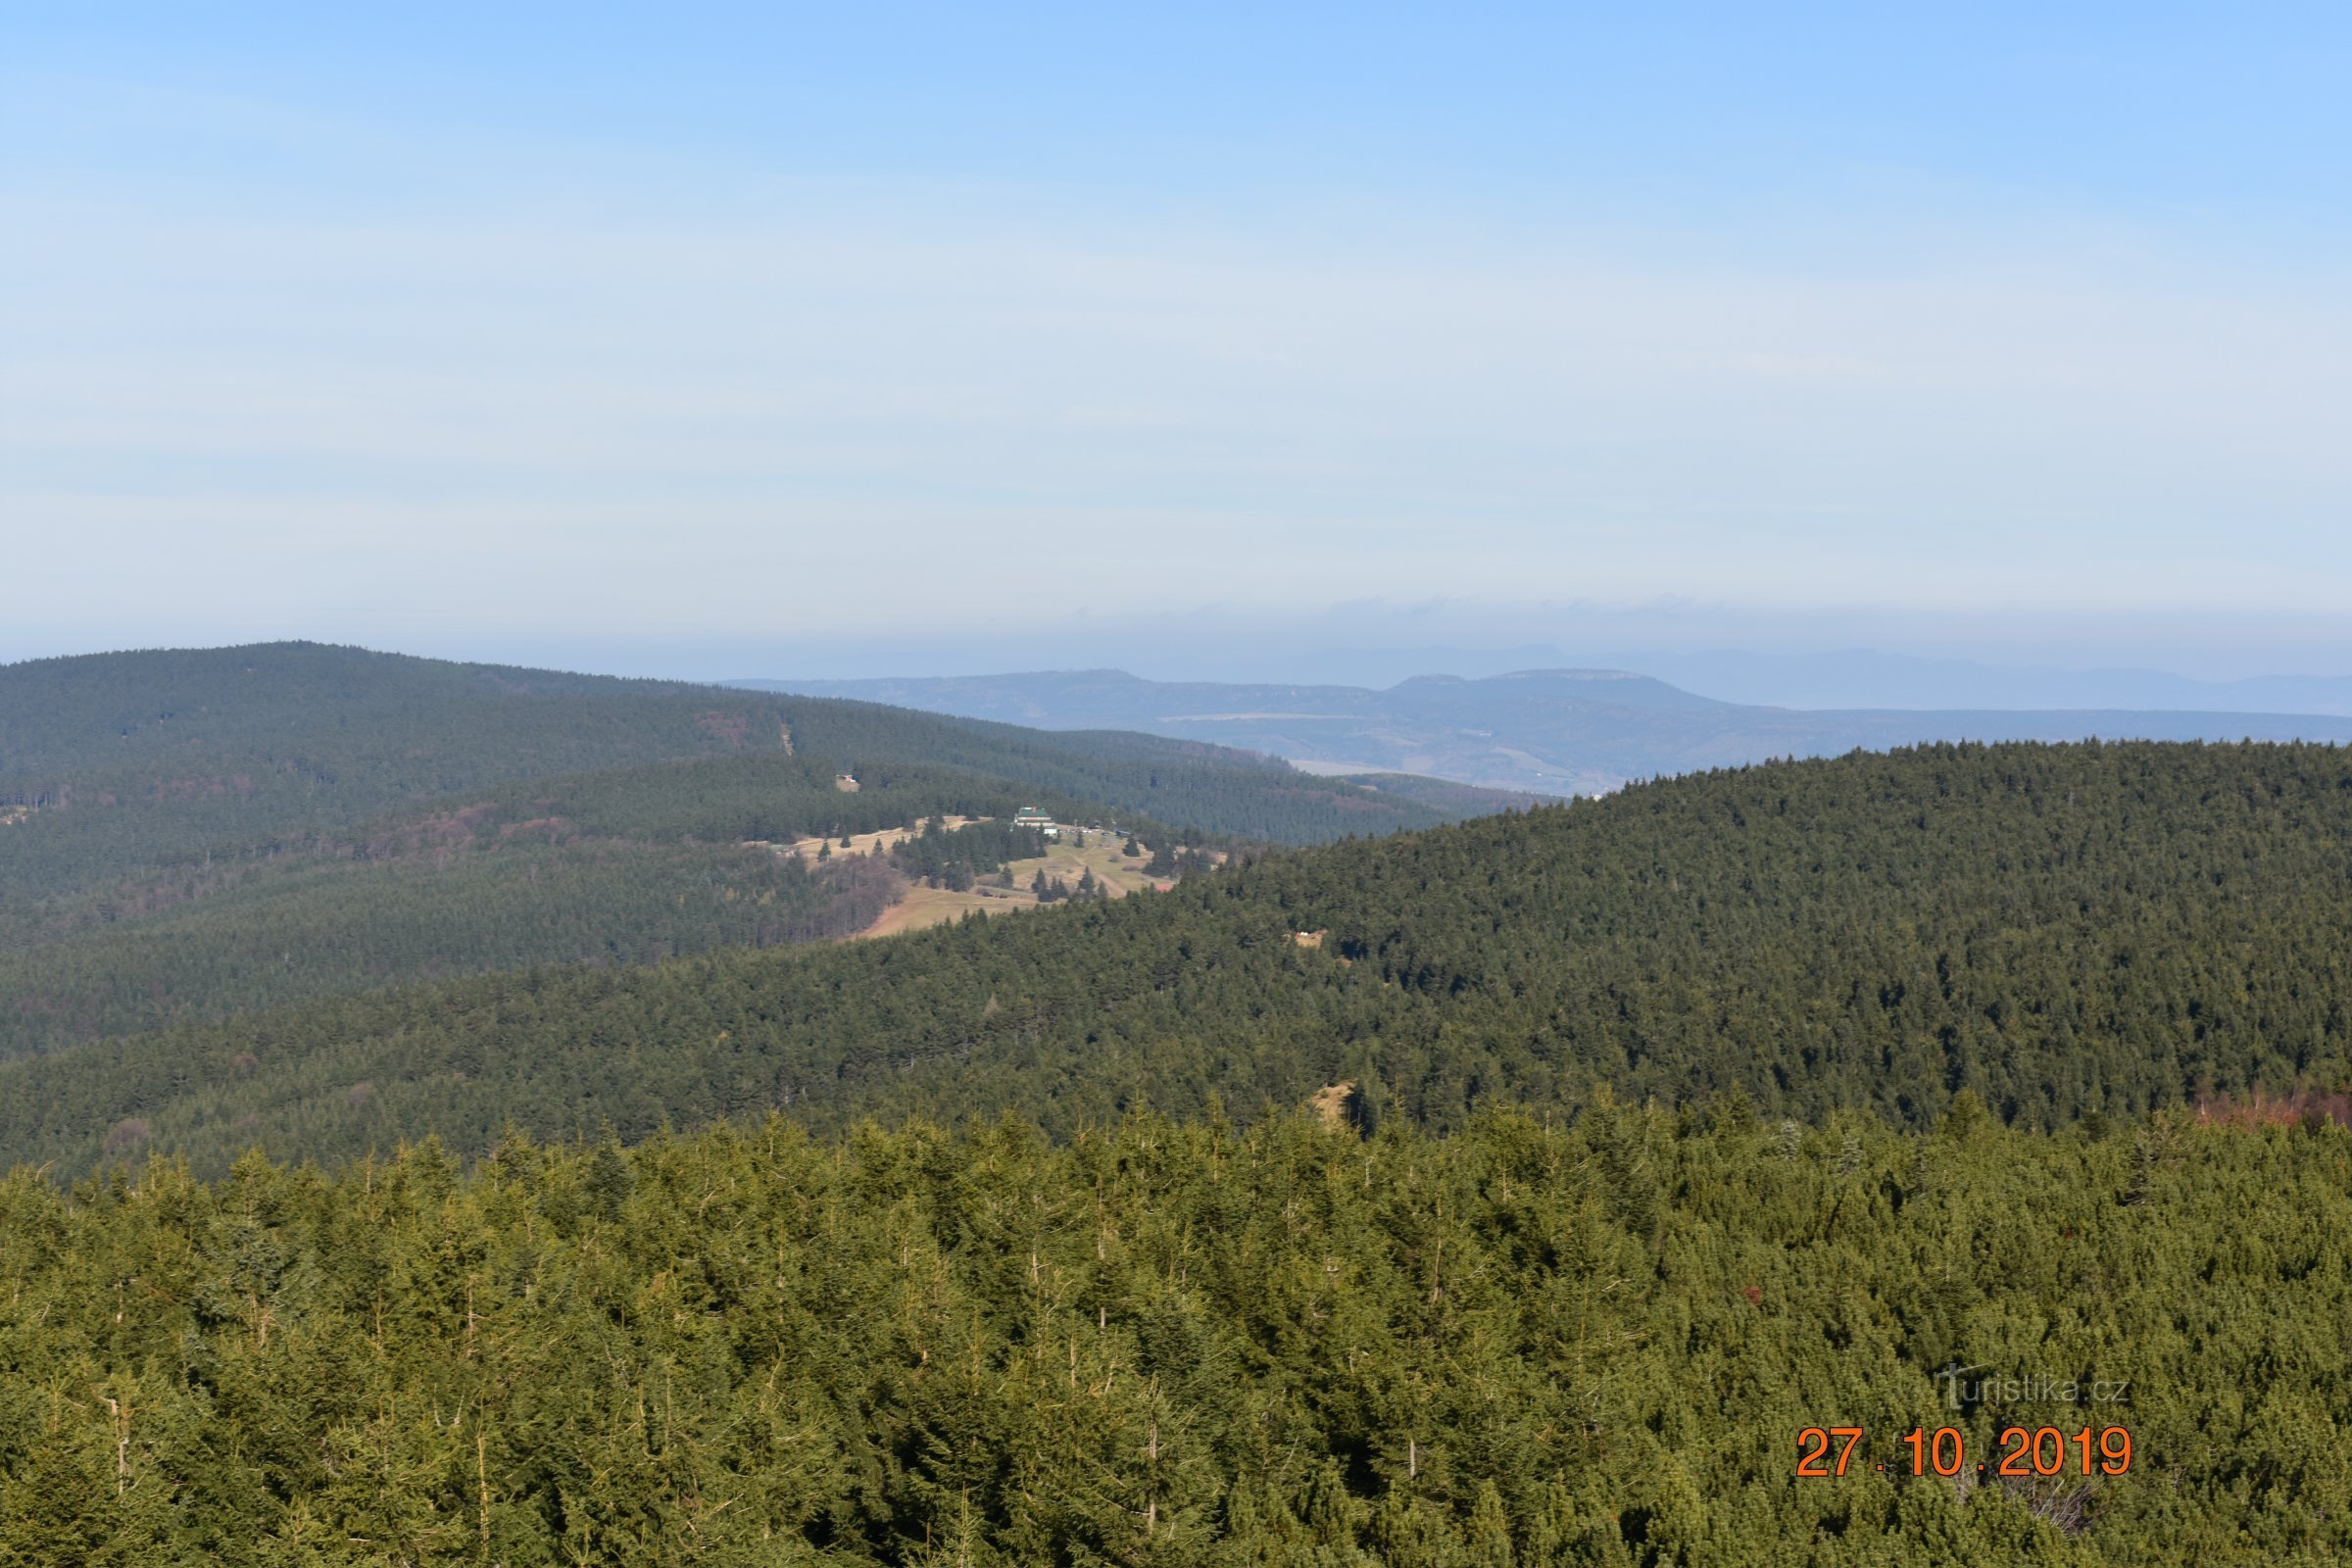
(1846, 677)
(1550, 731)
(1867, 678)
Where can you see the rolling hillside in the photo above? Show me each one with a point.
(123, 761)
(2050, 1044)
(192, 835)
(2062, 931)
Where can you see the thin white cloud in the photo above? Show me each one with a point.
(538, 423)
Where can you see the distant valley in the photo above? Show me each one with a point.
(185, 835)
(1542, 731)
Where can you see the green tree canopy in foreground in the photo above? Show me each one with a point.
(1165, 1342)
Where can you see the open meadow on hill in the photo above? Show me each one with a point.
(192, 835)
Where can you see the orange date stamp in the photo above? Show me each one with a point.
(2022, 1452)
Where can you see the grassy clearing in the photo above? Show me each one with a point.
(886, 839)
(1064, 860)
(927, 906)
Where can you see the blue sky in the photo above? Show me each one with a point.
(707, 342)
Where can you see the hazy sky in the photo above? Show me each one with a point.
(705, 342)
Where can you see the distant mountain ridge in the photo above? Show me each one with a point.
(1877, 678)
(185, 834)
(1545, 731)
(146, 755)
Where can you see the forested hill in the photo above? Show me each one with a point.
(132, 759)
(190, 835)
(625, 865)
(2060, 929)
(117, 761)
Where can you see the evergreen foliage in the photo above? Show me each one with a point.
(1172, 1342)
(220, 831)
(623, 865)
(967, 853)
(325, 928)
(1648, 1132)
(2056, 930)
(141, 759)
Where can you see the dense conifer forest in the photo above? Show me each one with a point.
(130, 760)
(1514, 1191)
(624, 866)
(2060, 929)
(191, 835)
(1588, 1341)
